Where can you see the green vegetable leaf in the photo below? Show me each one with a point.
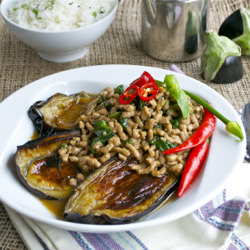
(103, 133)
(178, 94)
(119, 90)
(115, 115)
(161, 144)
(101, 129)
(175, 122)
(128, 141)
(124, 122)
(94, 141)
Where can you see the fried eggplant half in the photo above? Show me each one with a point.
(40, 168)
(59, 112)
(116, 194)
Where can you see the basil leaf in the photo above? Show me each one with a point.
(115, 115)
(124, 122)
(175, 122)
(102, 130)
(119, 90)
(160, 144)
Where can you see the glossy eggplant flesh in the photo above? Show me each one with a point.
(232, 26)
(59, 112)
(40, 168)
(230, 71)
(115, 194)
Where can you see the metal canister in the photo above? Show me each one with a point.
(173, 30)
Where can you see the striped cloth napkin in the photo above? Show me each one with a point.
(223, 223)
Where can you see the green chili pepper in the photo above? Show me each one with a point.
(176, 92)
(231, 126)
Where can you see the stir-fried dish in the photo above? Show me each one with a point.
(142, 129)
(119, 154)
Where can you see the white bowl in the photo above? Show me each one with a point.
(60, 46)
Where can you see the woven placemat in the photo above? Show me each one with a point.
(121, 44)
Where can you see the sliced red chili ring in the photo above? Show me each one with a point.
(143, 79)
(129, 94)
(148, 91)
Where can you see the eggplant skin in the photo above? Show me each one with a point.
(116, 194)
(232, 27)
(40, 169)
(230, 71)
(59, 112)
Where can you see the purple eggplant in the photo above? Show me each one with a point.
(40, 169)
(220, 61)
(116, 194)
(59, 112)
(237, 27)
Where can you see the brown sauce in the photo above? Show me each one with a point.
(55, 207)
(35, 135)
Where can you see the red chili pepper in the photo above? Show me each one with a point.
(145, 86)
(193, 166)
(129, 95)
(148, 91)
(144, 78)
(200, 135)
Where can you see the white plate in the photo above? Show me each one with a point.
(224, 156)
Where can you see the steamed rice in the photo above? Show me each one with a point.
(57, 15)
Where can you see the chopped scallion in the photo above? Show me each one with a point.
(50, 7)
(35, 11)
(57, 20)
(25, 6)
(102, 10)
